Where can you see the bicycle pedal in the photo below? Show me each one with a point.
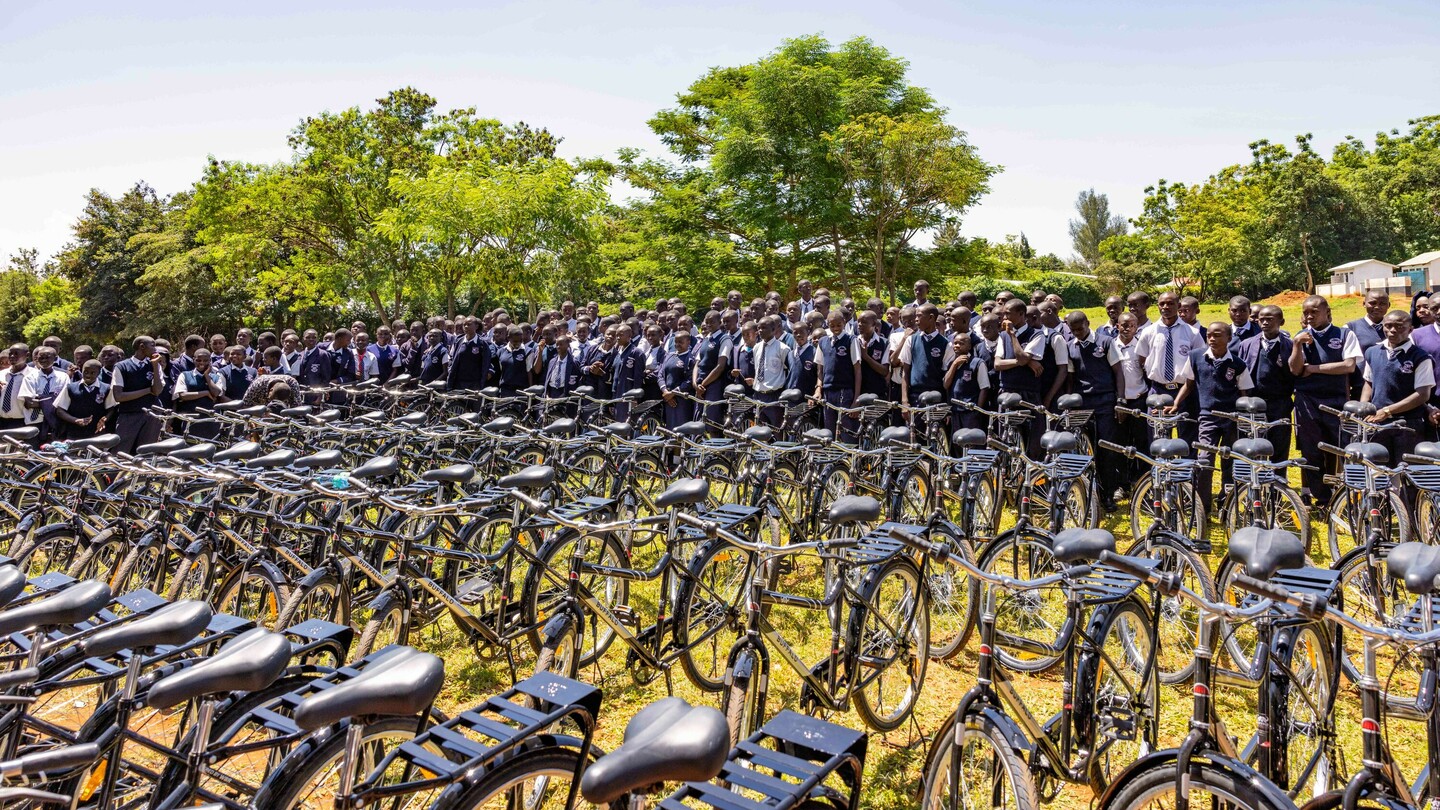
(1118, 721)
(626, 615)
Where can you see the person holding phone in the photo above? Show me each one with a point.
(138, 382)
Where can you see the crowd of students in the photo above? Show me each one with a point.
(966, 349)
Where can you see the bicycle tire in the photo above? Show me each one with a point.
(309, 763)
(1372, 596)
(1347, 523)
(324, 598)
(1228, 789)
(1179, 620)
(1004, 761)
(557, 653)
(954, 600)
(1193, 518)
(537, 600)
(386, 625)
(1111, 677)
(256, 592)
(703, 612)
(1302, 652)
(554, 764)
(911, 496)
(57, 547)
(872, 635)
(1036, 615)
(194, 577)
(744, 702)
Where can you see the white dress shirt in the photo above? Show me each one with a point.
(1130, 367)
(772, 365)
(1152, 349)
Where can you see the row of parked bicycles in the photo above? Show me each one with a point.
(239, 621)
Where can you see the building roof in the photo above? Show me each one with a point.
(1340, 268)
(1423, 258)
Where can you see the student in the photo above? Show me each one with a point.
(13, 413)
(839, 381)
(236, 376)
(433, 357)
(1240, 323)
(596, 358)
(512, 363)
(197, 390)
(272, 378)
(1399, 379)
(1267, 355)
(366, 361)
(562, 371)
(316, 367)
(1130, 431)
(139, 381)
(925, 356)
(1097, 375)
(81, 407)
(742, 361)
(1322, 357)
(1018, 366)
(628, 370)
(82, 355)
(1114, 305)
(44, 385)
(874, 356)
(655, 354)
(110, 355)
(387, 353)
(677, 378)
(1369, 331)
(712, 362)
(968, 380)
(470, 359)
(1217, 379)
(773, 361)
(1163, 350)
(291, 353)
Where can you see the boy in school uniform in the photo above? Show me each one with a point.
(1399, 378)
(839, 377)
(1096, 374)
(81, 407)
(968, 380)
(1217, 378)
(197, 391)
(44, 385)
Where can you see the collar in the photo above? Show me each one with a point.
(1210, 353)
(1394, 350)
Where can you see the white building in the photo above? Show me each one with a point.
(1355, 277)
(1423, 270)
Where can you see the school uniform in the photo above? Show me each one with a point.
(13, 414)
(877, 348)
(1313, 426)
(805, 370)
(1244, 332)
(773, 360)
(1269, 365)
(1092, 375)
(654, 360)
(743, 364)
(80, 401)
(237, 381)
(839, 365)
(589, 355)
(677, 375)
(432, 362)
(562, 374)
(1372, 333)
(386, 357)
(1165, 349)
(1216, 385)
(967, 385)
(1024, 382)
(1394, 373)
(627, 374)
(193, 381)
(134, 426)
(512, 369)
(714, 349)
(470, 364)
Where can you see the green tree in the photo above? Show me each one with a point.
(99, 261)
(904, 176)
(1093, 225)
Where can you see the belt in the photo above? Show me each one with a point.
(1169, 386)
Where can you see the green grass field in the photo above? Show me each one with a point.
(895, 759)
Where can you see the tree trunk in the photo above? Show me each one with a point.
(880, 265)
(1305, 260)
(840, 261)
(379, 305)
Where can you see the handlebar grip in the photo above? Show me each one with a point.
(60, 759)
(920, 544)
(1129, 565)
(1210, 448)
(1333, 411)
(1330, 448)
(1128, 452)
(533, 504)
(1268, 590)
(1410, 458)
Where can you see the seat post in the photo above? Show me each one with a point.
(349, 763)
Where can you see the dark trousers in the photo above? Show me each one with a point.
(715, 412)
(772, 416)
(1133, 432)
(1217, 432)
(1279, 408)
(1312, 427)
(964, 419)
(840, 398)
(135, 429)
(1111, 464)
(1189, 431)
(1034, 429)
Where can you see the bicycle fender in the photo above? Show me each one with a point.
(313, 578)
(555, 624)
(1236, 769)
(1009, 728)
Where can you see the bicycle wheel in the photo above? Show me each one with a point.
(1145, 509)
(385, 626)
(143, 567)
(1208, 785)
(557, 653)
(1370, 595)
(1348, 523)
(543, 595)
(194, 578)
(744, 702)
(983, 772)
(55, 548)
(832, 483)
(889, 640)
(707, 604)
(954, 601)
(309, 777)
(910, 498)
(584, 475)
(1427, 517)
(1036, 615)
(785, 486)
(538, 778)
(983, 502)
(724, 482)
(1117, 714)
(322, 598)
(254, 592)
(1179, 620)
(1303, 682)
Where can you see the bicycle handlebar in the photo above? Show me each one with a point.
(1311, 607)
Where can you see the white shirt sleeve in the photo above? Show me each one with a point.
(982, 377)
(1245, 382)
(1115, 356)
(1184, 372)
(1424, 373)
(1352, 347)
(1061, 347)
(180, 387)
(62, 399)
(1035, 348)
(905, 350)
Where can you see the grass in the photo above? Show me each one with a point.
(895, 759)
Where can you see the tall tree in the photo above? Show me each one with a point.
(1093, 224)
(99, 261)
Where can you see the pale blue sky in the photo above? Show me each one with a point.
(1065, 95)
